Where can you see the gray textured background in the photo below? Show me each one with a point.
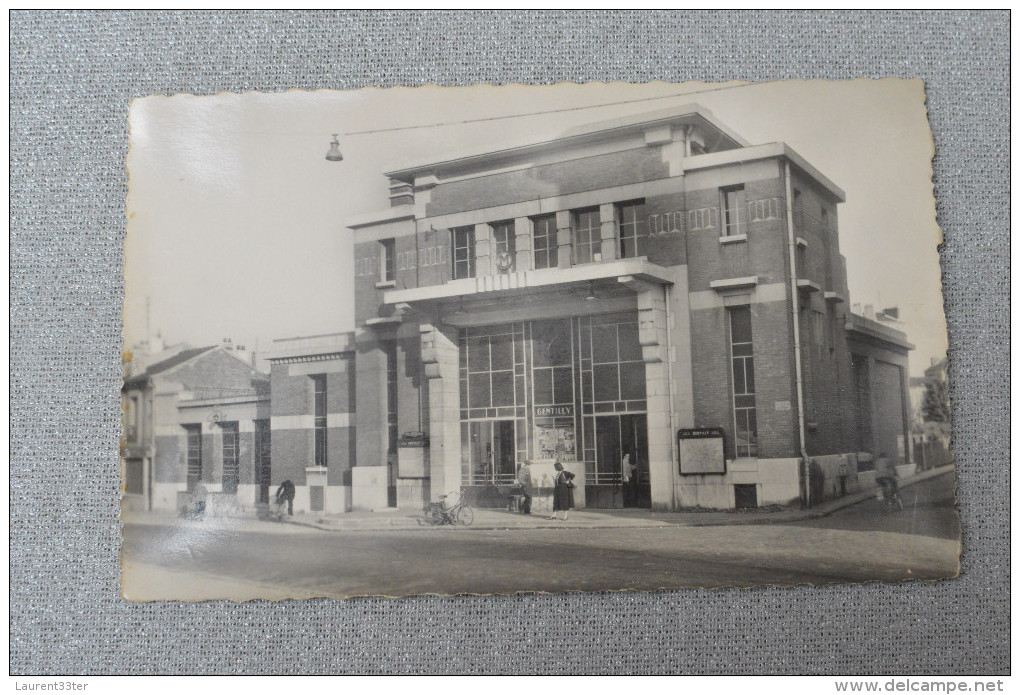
(72, 77)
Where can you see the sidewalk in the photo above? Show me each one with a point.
(501, 519)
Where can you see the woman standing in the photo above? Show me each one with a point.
(563, 491)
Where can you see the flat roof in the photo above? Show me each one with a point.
(694, 114)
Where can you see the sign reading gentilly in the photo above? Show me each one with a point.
(554, 411)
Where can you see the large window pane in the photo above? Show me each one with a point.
(633, 229)
(546, 255)
(632, 381)
(478, 354)
(587, 235)
(543, 386)
(630, 346)
(740, 325)
(563, 388)
(738, 376)
(502, 351)
(607, 385)
(603, 342)
(478, 390)
(502, 388)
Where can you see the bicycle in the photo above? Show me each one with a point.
(449, 510)
(891, 494)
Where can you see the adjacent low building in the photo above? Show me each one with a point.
(198, 416)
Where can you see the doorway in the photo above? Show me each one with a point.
(493, 452)
(619, 435)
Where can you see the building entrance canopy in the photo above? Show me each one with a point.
(606, 286)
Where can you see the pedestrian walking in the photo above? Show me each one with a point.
(527, 486)
(285, 493)
(563, 491)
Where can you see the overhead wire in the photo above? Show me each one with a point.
(551, 111)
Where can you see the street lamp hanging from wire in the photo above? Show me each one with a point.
(334, 151)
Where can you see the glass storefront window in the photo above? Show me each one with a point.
(531, 389)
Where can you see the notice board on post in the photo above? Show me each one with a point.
(701, 451)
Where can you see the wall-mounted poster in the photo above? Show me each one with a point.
(554, 439)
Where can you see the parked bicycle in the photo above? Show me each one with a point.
(449, 510)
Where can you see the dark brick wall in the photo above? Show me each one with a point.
(340, 452)
(668, 249)
(887, 390)
(367, 299)
(292, 395)
(292, 452)
(829, 391)
(773, 367)
(408, 381)
(575, 176)
(818, 262)
(884, 397)
(169, 465)
(763, 254)
(340, 393)
(371, 397)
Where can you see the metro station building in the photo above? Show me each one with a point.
(586, 297)
(577, 300)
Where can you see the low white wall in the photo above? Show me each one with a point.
(777, 482)
(164, 495)
(369, 487)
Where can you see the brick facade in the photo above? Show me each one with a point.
(733, 256)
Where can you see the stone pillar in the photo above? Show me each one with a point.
(564, 240)
(439, 356)
(652, 330)
(525, 259)
(610, 244)
(483, 250)
(680, 350)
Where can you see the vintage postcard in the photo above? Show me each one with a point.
(533, 339)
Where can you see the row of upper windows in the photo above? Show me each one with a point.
(585, 239)
(632, 232)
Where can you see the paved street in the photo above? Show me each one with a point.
(859, 543)
(928, 510)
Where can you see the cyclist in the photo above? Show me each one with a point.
(885, 476)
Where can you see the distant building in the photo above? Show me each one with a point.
(195, 415)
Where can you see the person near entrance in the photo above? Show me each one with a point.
(563, 491)
(285, 493)
(629, 475)
(527, 486)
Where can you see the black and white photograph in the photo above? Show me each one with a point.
(502, 339)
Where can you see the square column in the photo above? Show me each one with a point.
(439, 356)
(652, 330)
(483, 250)
(525, 259)
(607, 220)
(564, 240)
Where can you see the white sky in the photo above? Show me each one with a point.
(236, 220)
